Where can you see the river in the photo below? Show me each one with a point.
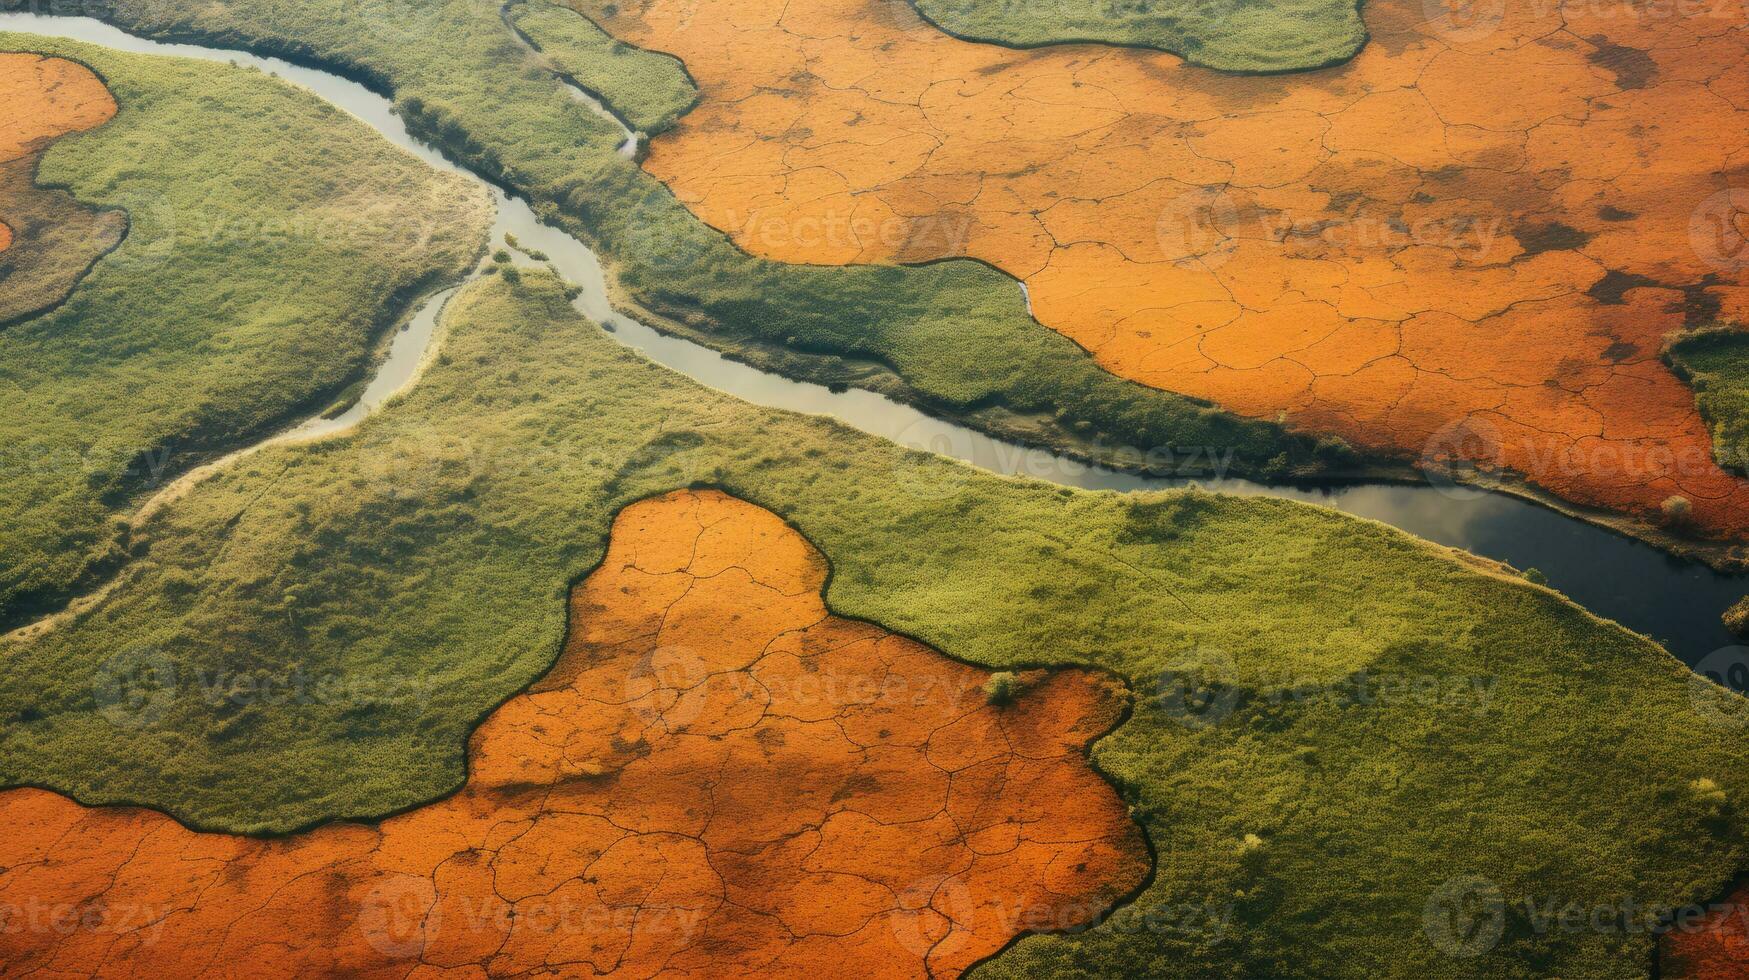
(1675, 601)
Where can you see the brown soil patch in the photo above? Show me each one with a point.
(47, 239)
(1471, 239)
(46, 98)
(1715, 948)
(719, 777)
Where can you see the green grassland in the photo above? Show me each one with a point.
(313, 633)
(1715, 363)
(1229, 35)
(258, 271)
(57, 241)
(952, 337)
(648, 90)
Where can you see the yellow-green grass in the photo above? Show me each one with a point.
(1334, 722)
(648, 90)
(1228, 35)
(271, 240)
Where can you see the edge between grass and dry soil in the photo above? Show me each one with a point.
(259, 272)
(1226, 35)
(1312, 775)
(717, 777)
(952, 337)
(48, 240)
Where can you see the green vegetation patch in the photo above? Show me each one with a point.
(271, 239)
(1339, 730)
(1230, 35)
(1715, 363)
(954, 337)
(57, 241)
(648, 90)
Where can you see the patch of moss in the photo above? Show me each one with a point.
(1229, 35)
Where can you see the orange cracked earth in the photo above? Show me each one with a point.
(719, 777)
(46, 98)
(1470, 240)
(1714, 947)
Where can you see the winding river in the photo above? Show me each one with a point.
(1672, 600)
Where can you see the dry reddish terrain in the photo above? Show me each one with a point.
(1715, 949)
(1474, 237)
(719, 777)
(47, 239)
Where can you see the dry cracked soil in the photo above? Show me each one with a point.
(1471, 241)
(718, 777)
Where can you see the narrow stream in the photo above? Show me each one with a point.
(1672, 600)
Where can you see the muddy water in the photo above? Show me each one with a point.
(1674, 601)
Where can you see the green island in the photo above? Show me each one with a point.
(1311, 774)
(1715, 363)
(1226, 35)
(258, 273)
(649, 91)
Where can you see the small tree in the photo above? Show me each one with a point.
(1001, 688)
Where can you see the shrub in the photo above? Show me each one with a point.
(1002, 688)
(1736, 618)
(1676, 508)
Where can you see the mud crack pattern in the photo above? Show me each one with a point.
(718, 778)
(1470, 241)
